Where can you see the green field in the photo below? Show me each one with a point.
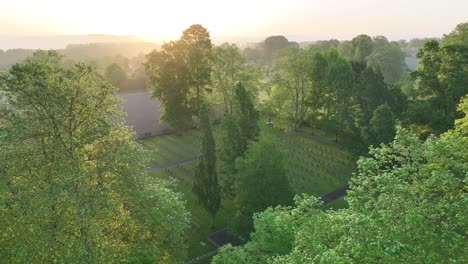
(314, 166)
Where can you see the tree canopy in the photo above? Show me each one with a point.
(406, 204)
(179, 73)
(73, 175)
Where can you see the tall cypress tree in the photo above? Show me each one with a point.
(206, 178)
(248, 117)
(240, 128)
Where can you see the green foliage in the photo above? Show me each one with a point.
(229, 68)
(362, 47)
(274, 236)
(248, 116)
(262, 180)
(228, 154)
(441, 77)
(390, 60)
(293, 76)
(73, 175)
(406, 205)
(338, 77)
(381, 126)
(116, 75)
(179, 74)
(240, 129)
(459, 36)
(271, 47)
(206, 177)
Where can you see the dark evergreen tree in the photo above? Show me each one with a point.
(248, 117)
(206, 185)
(240, 128)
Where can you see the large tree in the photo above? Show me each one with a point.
(179, 75)
(229, 68)
(262, 180)
(441, 78)
(390, 60)
(406, 205)
(339, 91)
(272, 45)
(72, 184)
(293, 75)
(206, 185)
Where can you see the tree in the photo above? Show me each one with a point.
(459, 36)
(441, 77)
(197, 45)
(228, 65)
(362, 47)
(272, 45)
(405, 199)
(228, 154)
(381, 126)
(240, 129)
(324, 45)
(248, 117)
(179, 74)
(116, 75)
(338, 76)
(168, 75)
(206, 178)
(293, 76)
(262, 180)
(73, 174)
(390, 60)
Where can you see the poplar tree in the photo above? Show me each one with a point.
(206, 178)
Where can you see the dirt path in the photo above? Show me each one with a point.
(171, 164)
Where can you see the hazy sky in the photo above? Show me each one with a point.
(297, 19)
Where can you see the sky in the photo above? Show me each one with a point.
(299, 20)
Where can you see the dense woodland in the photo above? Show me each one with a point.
(74, 175)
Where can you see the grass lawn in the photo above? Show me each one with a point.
(174, 147)
(338, 204)
(200, 218)
(315, 166)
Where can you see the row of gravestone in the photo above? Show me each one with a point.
(313, 155)
(319, 147)
(171, 150)
(326, 162)
(305, 146)
(313, 178)
(324, 166)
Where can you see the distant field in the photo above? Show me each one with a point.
(314, 165)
